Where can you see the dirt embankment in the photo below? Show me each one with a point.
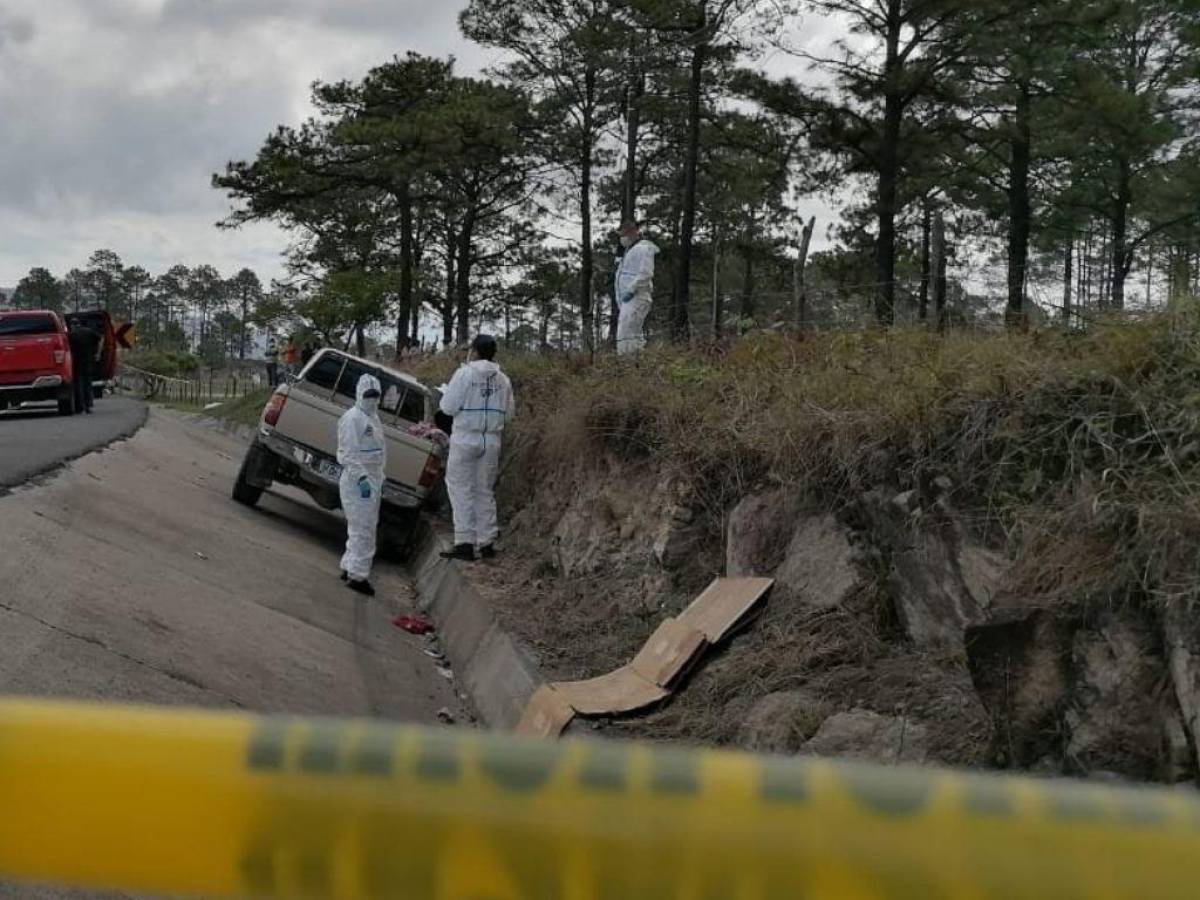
(985, 548)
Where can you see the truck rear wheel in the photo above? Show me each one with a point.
(243, 491)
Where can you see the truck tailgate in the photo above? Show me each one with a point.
(24, 356)
(312, 420)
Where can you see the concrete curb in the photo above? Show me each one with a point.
(495, 673)
(497, 676)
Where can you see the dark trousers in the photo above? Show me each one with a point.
(273, 373)
(83, 388)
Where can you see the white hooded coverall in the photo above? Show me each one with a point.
(480, 399)
(634, 286)
(362, 454)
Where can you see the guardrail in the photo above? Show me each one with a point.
(237, 805)
(194, 391)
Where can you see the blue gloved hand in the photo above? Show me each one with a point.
(627, 298)
(364, 488)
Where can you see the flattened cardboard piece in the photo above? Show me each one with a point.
(723, 604)
(669, 652)
(546, 714)
(623, 690)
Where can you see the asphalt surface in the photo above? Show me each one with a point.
(36, 440)
(132, 576)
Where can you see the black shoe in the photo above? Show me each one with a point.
(465, 552)
(487, 551)
(344, 576)
(362, 587)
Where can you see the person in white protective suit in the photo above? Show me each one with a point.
(480, 399)
(634, 287)
(362, 454)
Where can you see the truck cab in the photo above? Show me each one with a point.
(296, 439)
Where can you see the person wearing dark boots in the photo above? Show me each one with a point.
(85, 345)
(480, 400)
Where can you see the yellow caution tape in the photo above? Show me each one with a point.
(234, 805)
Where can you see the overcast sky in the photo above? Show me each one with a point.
(115, 113)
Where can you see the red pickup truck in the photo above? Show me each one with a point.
(35, 360)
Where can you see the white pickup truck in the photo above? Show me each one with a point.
(296, 441)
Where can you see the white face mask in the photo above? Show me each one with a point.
(626, 241)
(369, 405)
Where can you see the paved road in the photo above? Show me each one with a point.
(131, 576)
(36, 440)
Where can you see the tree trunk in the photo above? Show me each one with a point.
(938, 255)
(1085, 270)
(718, 305)
(683, 262)
(545, 313)
(585, 210)
(245, 312)
(404, 195)
(1019, 211)
(451, 281)
(889, 172)
(462, 289)
(1149, 272)
(1120, 225)
(799, 291)
(415, 323)
(926, 239)
(747, 309)
(629, 186)
(1068, 278)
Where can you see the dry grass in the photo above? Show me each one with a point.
(1080, 453)
(1094, 436)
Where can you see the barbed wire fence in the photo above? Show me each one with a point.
(186, 391)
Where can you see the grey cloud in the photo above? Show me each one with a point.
(117, 112)
(372, 16)
(14, 29)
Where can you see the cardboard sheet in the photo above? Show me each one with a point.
(546, 714)
(669, 652)
(621, 691)
(675, 645)
(724, 603)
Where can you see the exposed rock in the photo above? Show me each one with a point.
(678, 537)
(941, 585)
(865, 735)
(939, 580)
(905, 501)
(943, 484)
(819, 565)
(1181, 636)
(1112, 720)
(580, 540)
(759, 530)
(782, 722)
(1020, 665)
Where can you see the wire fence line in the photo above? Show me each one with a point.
(189, 391)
